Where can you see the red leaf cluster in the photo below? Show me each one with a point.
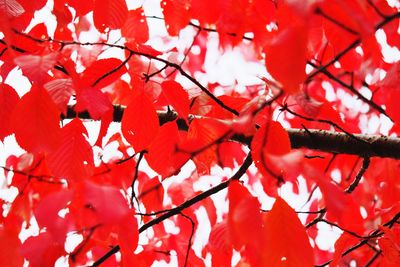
(175, 131)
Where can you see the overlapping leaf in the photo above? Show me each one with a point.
(202, 137)
(135, 28)
(11, 8)
(177, 97)
(140, 122)
(73, 159)
(102, 73)
(284, 237)
(341, 207)
(286, 57)
(271, 151)
(176, 14)
(163, 154)
(42, 250)
(60, 91)
(35, 67)
(8, 100)
(244, 218)
(152, 194)
(94, 101)
(110, 14)
(35, 121)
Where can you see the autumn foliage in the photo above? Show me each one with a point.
(182, 162)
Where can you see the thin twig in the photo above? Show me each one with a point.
(123, 63)
(135, 177)
(186, 53)
(347, 231)
(239, 173)
(41, 178)
(335, 125)
(336, 22)
(359, 175)
(376, 233)
(190, 238)
(81, 245)
(374, 258)
(303, 212)
(351, 46)
(139, 53)
(352, 89)
(376, 9)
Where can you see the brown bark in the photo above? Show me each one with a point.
(321, 140)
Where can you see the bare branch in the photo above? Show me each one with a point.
(365, 146)
(371, 103)
(359, 175)
(139, 53)
(190, 238)
(135, 177)
(177, 210)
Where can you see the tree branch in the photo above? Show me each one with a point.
(138, 53)
(365, 146)
(178, 210)
(359, 175)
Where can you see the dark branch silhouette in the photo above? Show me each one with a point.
(177, 210)
(365, 146)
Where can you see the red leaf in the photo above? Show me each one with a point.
(102, 73)
(42, 250)
(73, 159)
(135, 28)
(180, 192)
(351, 14)
(94, 101)
(110, 14)
(209, 205)
(35, 121)
(344, 242)
(128, 234)
(46, 214)
(341, 207)
(177, 97)
(284, 237)
(206, 11)
(273, 139)
(286, 57)
(229, 153)
(176, 15)
(146, 49)
(316, 107)
(270, 143)
(106, 202)
(35, 67)
(390, 245)
(11, 8)
(140, 122)
(106, 120)
(60, 91)
(244, 218)
(32, 6)
(220, 245)
(152, 194)
(10, 245)
(201, 140)
(81, 7)
(8, 100)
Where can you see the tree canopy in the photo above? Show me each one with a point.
(231, 132)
